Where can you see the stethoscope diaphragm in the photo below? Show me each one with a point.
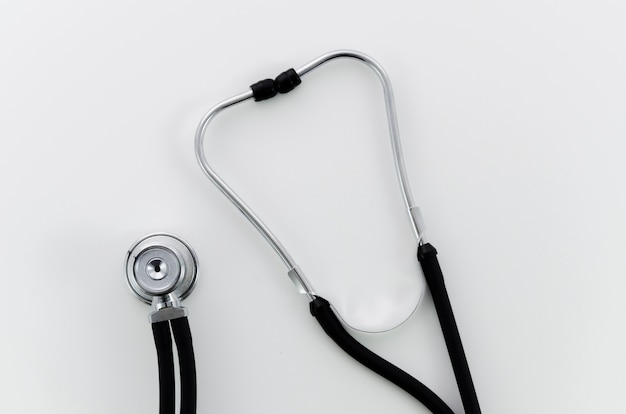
(161, 265)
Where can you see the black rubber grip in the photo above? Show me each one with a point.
(187, 362)
(321, 309)
(263, 90)
(427, 256)
(269, 88)
(165, 356)
(287, 81)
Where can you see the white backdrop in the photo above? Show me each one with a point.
(512, 120)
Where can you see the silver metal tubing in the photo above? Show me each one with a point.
(294, 271)
(392, 121)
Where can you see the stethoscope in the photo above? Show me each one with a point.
(161, 270)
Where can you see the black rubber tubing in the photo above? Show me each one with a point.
(427, 256)
(165, 356)
(187, 362)
(322, 311)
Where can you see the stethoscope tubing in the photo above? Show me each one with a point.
(181, 332)
(187, 362)
(165, 357)
(322, 311)
(320, 308)
(427, 256)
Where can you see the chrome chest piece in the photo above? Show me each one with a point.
(161, 269)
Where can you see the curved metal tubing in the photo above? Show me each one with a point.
(295, 273)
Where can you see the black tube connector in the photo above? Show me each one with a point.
(269, 88)
(263, 90)
(287, 81)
